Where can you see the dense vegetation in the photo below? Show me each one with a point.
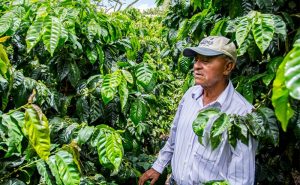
(88, 97)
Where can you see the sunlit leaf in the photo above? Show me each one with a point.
(138, 111)
(68, 170)
(292, 72)
(52, 32)
(280, 101)
(34, 33)
(37, 128)
(263, 29)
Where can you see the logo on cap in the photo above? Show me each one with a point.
(207, 42)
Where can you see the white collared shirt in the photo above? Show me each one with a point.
(193, 163)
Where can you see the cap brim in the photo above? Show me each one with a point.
(193, 51)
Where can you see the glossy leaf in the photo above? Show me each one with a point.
(263, 30)
(109, 147)
(74, 74)
(54, 170)
(219, 28)
(107, 90)
(101, 57)
(52, 32)
(292, 72)
(68, 170)
(13, 181)
(127, 75)
(221, 124)
(272, 131)
(92, 55)
(280, 101)
(45, 172)
(5, 22)
(15, 136)
(242, 30)
(200, 123)
(34, 33)
(138, 111)
(144, 74)
(124, 93)
(37, 129)
(84, 134)
(280, 27)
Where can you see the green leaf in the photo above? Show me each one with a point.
(123, 92)
(248, 92)
(138, 111)
(15, 136)
(3, 68)
(68, 170)
(37, 128)
(242, 30)
(280, 101)
(109, 147)
(83, 109)
(108, 88)
(185, 64)
(255, 123)
(127, 75)
(93, 29)
(218, 28)
(263, 29)
(245, 45)
(144, 74)
(114, 150)
(92, 55)
(101, 57)
(45, 172)
(17, 18)
(54, 169)
(34, 33)
(217, 182)
(84, 134)
(200, 123)
(271, 131)
(220, 125)
(6, 22)
(13, 181)
(52, 32)
(292, 72)
(280, 27)
(74, 73)
(96, 108)
(197, 20)
(115, 79)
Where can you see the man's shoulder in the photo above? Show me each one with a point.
(239, 102)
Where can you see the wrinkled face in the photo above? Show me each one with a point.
(208, 71)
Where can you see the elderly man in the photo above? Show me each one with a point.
(191, 162)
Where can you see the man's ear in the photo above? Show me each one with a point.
(229, 66)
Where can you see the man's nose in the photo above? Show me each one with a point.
(198, 64)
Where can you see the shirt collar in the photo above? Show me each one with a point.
(198, 92)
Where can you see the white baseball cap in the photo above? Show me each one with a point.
(213, 46)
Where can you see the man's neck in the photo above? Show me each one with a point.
(210, 94)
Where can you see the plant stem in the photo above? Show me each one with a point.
(20, 168)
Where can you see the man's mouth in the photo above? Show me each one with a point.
(198, 75)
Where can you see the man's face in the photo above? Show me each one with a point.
(208, 71)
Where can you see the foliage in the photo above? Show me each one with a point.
(106, 85)
(260, 124)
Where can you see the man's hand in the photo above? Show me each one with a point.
(149, 174)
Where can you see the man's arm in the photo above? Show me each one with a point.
(242, 166)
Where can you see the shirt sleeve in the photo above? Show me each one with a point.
(242, 165)
(166, 153)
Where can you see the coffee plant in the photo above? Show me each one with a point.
(87, 97)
